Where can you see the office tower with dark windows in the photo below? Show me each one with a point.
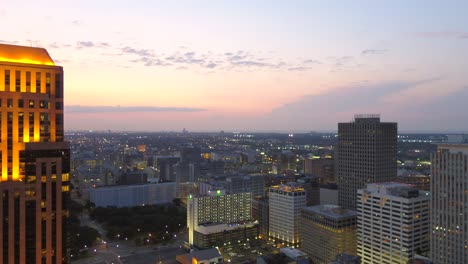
(393, 223)
(34, 158)
(449, 204)
(366, 153)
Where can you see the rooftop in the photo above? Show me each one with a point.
(27, 55)
(331, 211)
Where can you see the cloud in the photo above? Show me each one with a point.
(322, 111)
(85, 44)
(77, 23)
(446, 34)
(128, 109)
(311, 61)
(373, 51)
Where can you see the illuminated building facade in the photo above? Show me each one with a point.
(326, 231)
(393, 223)
(218, 218)
(286, 202)
(449, 204)
(34, 160)
(366, 153)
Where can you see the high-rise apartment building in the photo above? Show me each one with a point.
(34, 160)
(449, 204)
(326, 231)
(393, 223)
(366, 153)
(218, 218)
(286, 202)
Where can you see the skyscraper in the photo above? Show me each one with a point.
(34, 159)
(286, 202)
(366, 153)
(449, 204)
(393, 223)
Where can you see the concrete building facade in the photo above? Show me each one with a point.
(393, 223)
(286, 202)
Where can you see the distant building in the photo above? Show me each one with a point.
(133, 195)
(420, 182)
(253, 184)
(166, 167)
(393, 223)
(295, 254)
(449, 204)
(312, 188)
(328, 196)
(344, 258)
(260, 212)
(322, 168)
(191, 155)
(286, 202)
(133, 177)
(219, 218)
(457, 139)
(326, 231)
(366, 153)
(207, 256)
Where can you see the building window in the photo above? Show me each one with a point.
(20, 103)
(7, 80)
(10, 103)
(18, 81)
(42, 104)
(48, 83)
(31, 103)
(28, 81)
(38, 82)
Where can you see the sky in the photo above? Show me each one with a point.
(290, 66)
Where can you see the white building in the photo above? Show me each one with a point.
(218, 217)
(393, 223)
(449, 204)
(133, 195)
(286, 202)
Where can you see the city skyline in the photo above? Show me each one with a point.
(263, 66)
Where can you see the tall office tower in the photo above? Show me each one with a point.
(312, 188)
(449, 204)
(326, 231)
(286, 202)
(218, 218)
(34, 160)
(366, 153)
(393, 223)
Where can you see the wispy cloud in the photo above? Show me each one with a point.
(128, 109)
(446, 34)
(91, 44)
(373, 51)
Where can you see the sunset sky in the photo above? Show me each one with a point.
(251, 65)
